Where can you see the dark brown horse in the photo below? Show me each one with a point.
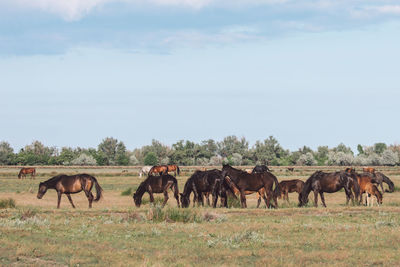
(24, 171)
(157, 184)
(260, 169)
(205, 183)
(252, 182)
(174, 168)
(160, 169)
(65, 184)
(290, 186)
(321, 182)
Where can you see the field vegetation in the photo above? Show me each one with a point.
(115, 232)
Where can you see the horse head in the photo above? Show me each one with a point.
(185, 200)
(42, 190)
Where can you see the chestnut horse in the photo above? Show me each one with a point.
(254, 182)
(367, 187)
(321, 182)
(174, 168)
(160, 169)
(372, 190)
(157, 184)
(24, 171)
(260, 193)
(65, 184)
(290, 186)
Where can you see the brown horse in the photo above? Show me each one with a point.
(369, 169)
(290, 186)
(321, 182)
(160, 169)
(260, 193)
(24, 171)
(157, 184)
(366, 186)
(372, 190)
(251, 182)
(174, 168)
(65, 184)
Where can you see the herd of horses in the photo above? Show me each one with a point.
(234, 183)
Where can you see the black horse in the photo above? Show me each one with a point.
(321, 182)
(157, 184)
(244, 181)
(65, 184)
(260, 169)
(205, 183)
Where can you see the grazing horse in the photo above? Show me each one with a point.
(24, 171)
(321, 182)
(144, 170)
(157, 184)
(290, 169)
(290, 186)
(251, 182)
(65, 184)
(379, 178)
(174, 168)
(260, 169)
(160, 169)
(366, 186)
(260, 193)
(204, 183)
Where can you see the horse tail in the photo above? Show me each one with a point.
(389, 183)
(277, 190)
(20, 174)
(99, 190)
(178, 170)
(356, 186)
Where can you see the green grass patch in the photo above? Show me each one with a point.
(127, 192)
(7, 203)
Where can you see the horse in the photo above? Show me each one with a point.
(260, 169)
(144, 170)
(321, 182)
(260, 193)
(251, 182)
(379, 178)
(157, 184)
(371, 189)
(24, 171)
(204, 183)
(366, 186)
(290, 169)
(72, 184)
(160, 169)
(290, 186)
(369, 169)
(174, 168)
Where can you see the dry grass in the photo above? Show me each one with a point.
(114, 232)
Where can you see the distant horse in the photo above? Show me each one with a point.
(260, 169)
(321, 182)
(174, 168)
(160, 169)
(252, 182)
(290, 186)
(157, 184)
(204, 183)
(290, 169)
(65, 184)
(24, 171)
(144, 170)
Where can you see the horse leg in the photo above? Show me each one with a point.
(208, 199)
(243, 199)
(59, 199)
(176, 194)
(316, 198)
(165, 197)
(349, 195)
(70, 200)
(322, 198)
(287, 196)
(259, 199)
(89, 196)
(383, 191)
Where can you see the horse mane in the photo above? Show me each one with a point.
(52, 181)
(141, 189)
(237, 170)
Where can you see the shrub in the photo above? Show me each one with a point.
(307, 159)
(202, 161)
(389, 157)
(216, 160)
(133, 160)
(150, 159)
(127, 192)
(7, 203)
(340, 158)
(84, 160)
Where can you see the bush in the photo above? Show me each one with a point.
(84, 160)
(127, 192)
(150, 159)
(7, 203)
(389, 158)
(307, 159)
(340, 158)
(133, 160)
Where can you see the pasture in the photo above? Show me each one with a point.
(115, 232)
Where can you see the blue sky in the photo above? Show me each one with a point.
(308, 72)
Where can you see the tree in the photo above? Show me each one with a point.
(150, 159)
(112, 152)
(84, 160)
(35, 154)
(269, 151)
(6, 153)
(390, 158)
(360, 149)
(379, 148)
(307, 159)
(231, 144)
(340, 158)
(321, 156)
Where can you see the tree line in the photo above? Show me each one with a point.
(231, 150)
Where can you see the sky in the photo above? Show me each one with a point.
(307, 72)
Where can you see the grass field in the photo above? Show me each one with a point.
(115, 232)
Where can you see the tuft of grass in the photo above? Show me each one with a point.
(26, 214)
(234, 202)
(7, 203)
(127, 192)
(157, 201)
(157, 214)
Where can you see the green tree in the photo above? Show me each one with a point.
(150, 159)
(269, 152)
(6, 153)
(360, 149)
(379, 148)
(112, 152)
